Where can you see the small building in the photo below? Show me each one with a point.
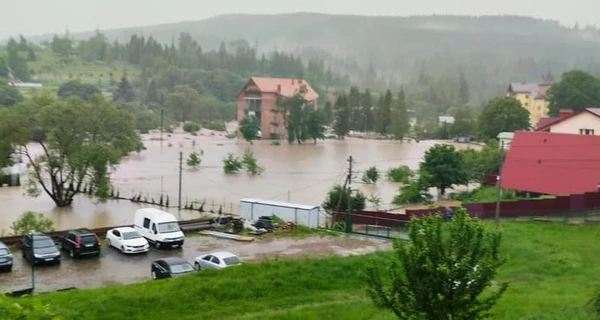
(586, 122)
(552, 163)
(446, 119)
(532, 97)
(253, 209)
(259, 98)
(504, 139)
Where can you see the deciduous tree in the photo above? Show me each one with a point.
(444, 167)
(503, 114)
(79, 141)
(315, 124)
(576, 90)
(183, 101)
(250, 128)
(9, 96)
(78, 89)
(444, 272)
(341, 116)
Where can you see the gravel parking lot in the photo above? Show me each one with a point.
(115, 268)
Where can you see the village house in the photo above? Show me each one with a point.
(259, 98)
(552, 163)
(586, 122)
(532, 97)
(504, 139)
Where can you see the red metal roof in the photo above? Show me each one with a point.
(552, 163)
(565, 114)
(544, 122)
(284, 87)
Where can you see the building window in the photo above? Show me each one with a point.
(587, 132)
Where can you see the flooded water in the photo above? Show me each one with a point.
(295, 173)
(112, 267)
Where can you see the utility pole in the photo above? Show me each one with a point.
(180, 173)
(162, 112)
(349, 204)
(499, 191)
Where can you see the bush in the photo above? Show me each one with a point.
(31, 221)
(191, 127)
(401, 174)
(232, 135)
(371, 175)
(250, 163)
(214, 125)
(338, 196)
(413, 192)
(232, 164)
(194, 160)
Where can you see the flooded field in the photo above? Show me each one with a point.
(295, 173)
(115, 268)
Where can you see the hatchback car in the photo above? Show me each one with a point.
(6, 258)
(127, 239)
(217, 260)
(170, 267)
(80, 243)
(39, 248)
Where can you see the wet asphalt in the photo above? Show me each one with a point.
(113, 268)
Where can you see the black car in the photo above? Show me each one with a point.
(6, 258)
(39, 248)
(80, 242)
(170, 267)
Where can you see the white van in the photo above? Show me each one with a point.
(158, 227)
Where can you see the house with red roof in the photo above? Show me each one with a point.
(586, 122)
(552, 163)
(259, 98)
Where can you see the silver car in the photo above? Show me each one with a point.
(6, 258)
(216, 260)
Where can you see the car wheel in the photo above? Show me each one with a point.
(157, 245)
(197, 265)
(10, 269)
(153, 273)
(122, 249)
(71, 253)
(109, 244)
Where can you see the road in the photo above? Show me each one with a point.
(113, 268)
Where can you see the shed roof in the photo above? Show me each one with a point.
(552, 163)
(279, 204)
(505, 135)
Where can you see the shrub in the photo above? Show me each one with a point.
(232, 164)
(339, 196)
(31, 221)
(371, 175)
(231, 135)
(214, 125)
(191, 127)
(194, 160)
(413, 192)
(250, 163)
(401, 174)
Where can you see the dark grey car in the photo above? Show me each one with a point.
(39, 248)
(6, 258)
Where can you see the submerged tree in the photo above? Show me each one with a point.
(79, 142)
(250, 128)
(442, 273)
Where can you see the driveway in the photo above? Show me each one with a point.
(115, 268)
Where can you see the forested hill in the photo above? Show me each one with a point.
(385, 51)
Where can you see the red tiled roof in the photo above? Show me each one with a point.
(544, 122)
(552, 163)
(288, 87)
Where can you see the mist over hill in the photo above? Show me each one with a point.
(388, 51)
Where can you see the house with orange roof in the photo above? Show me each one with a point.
(259, 98)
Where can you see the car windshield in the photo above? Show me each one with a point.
(231, 260)
(3, 251)
(181, 268)
(43, 243)
(131, 235)
(168, 227)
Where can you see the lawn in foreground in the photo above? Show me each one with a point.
(550, 266)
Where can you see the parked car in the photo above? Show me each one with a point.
(217, 260)
(158, 227)
(170, 267)
(80, 243)
(39, 248)
(127, 239)
(6, 258)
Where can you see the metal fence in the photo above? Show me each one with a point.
(375, 224)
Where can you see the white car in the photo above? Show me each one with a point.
(217, 260)
(127, 239)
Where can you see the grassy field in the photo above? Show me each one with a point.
(550, 267)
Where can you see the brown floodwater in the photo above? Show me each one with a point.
(295, 173)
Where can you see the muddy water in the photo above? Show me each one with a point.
(296, 173)
(115, 268)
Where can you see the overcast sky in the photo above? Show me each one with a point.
(30, 17)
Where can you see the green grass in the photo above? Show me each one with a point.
(550, 267)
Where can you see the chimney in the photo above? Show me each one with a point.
(278, 88)
(564, 113)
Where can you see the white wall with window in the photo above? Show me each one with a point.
(584, 123)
